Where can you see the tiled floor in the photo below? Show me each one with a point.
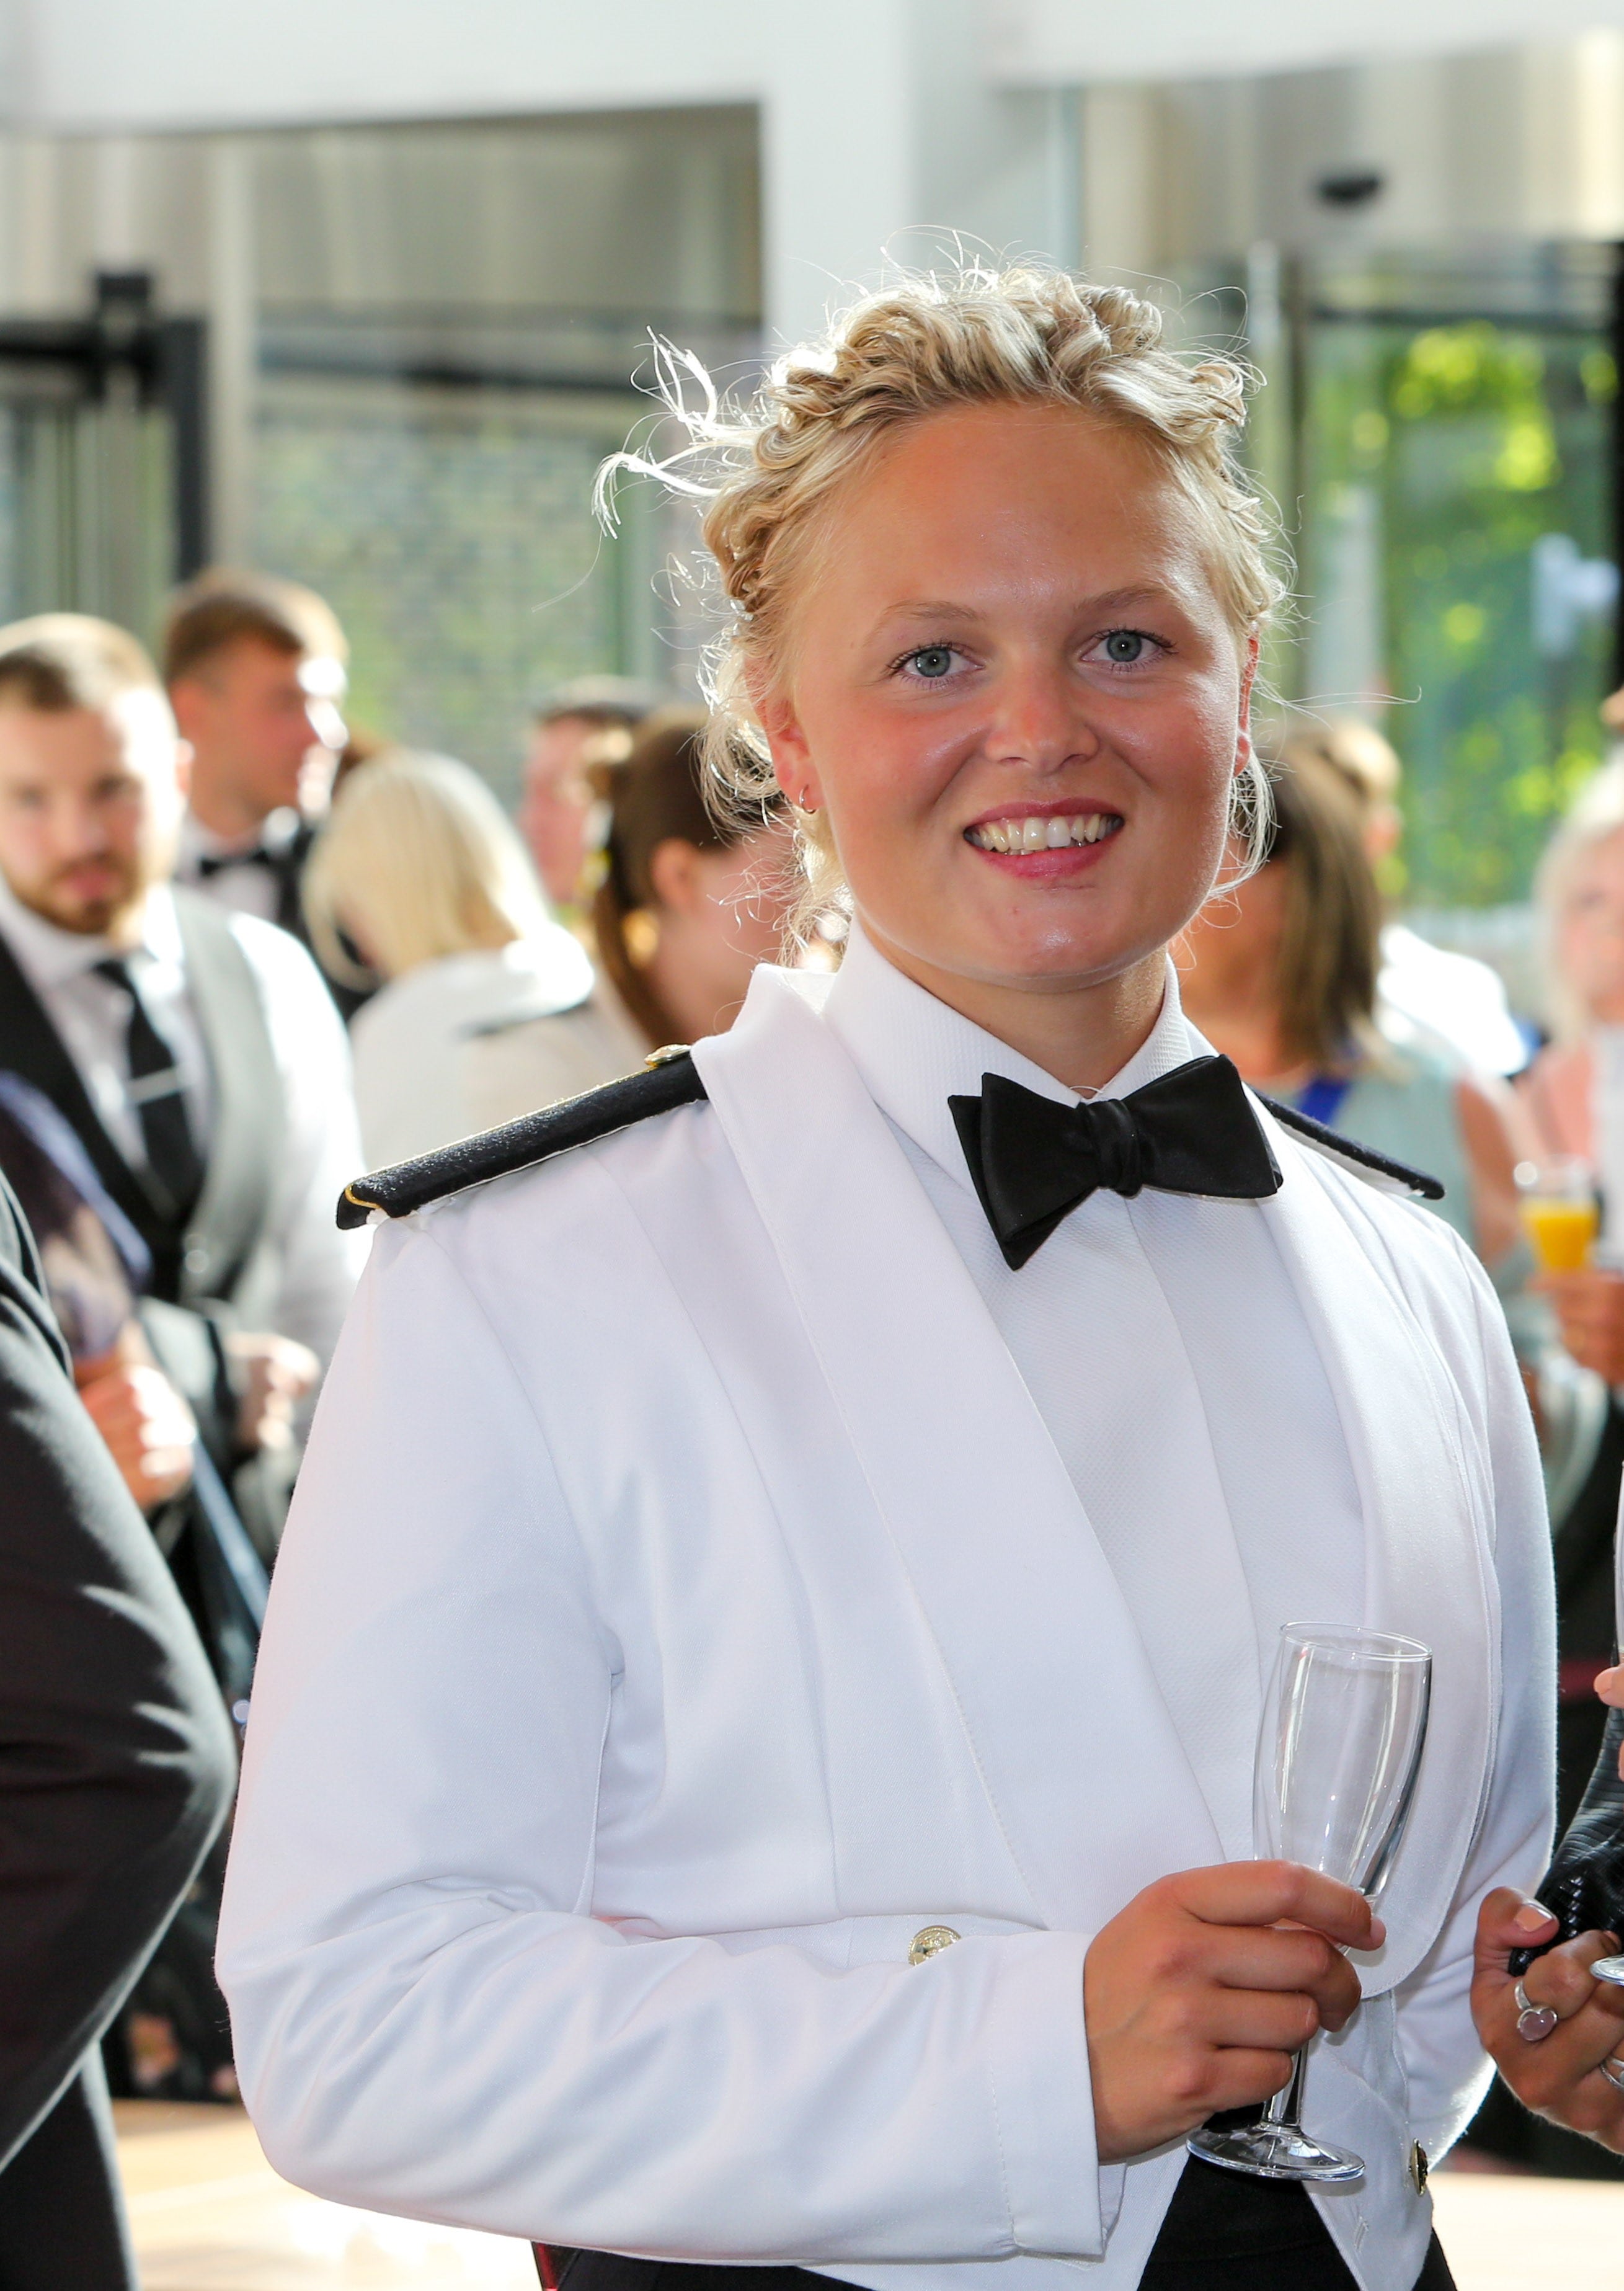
(210, 2214)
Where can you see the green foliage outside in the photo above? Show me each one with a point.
(1454, 449)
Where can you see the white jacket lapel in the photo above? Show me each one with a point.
(1068, 1729)
(1426, 1502)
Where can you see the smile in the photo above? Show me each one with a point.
(1022, 835)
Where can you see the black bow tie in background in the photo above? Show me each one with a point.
(1034, 1159)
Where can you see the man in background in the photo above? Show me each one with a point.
(574, 729)
(117, 1768)
(255, 669)
(194, 1052)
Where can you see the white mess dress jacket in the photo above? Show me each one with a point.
(685, 1604)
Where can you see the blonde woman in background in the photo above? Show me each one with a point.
(489, 1007)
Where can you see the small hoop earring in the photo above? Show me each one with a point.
(805, 805)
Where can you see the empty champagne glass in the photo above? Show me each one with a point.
(1337, 1754)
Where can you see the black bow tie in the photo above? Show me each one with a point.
(210, 864)
(1034, 1160)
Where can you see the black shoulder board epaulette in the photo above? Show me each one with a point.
(671, 1080)
(1361, 1160)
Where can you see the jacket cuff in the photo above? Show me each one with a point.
(1061, 2202)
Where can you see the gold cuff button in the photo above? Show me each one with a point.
(666, 1054)
(930, 1941)
(1421, 2170)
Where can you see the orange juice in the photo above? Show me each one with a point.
(1560, 1233)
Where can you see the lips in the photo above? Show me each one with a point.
(1015, 838)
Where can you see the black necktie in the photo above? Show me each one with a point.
(156, 1091)
(1034, 1159)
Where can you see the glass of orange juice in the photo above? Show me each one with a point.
(1560, 1213)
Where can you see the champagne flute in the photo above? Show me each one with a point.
(1338, 1755)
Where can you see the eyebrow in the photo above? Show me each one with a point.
(926, 608)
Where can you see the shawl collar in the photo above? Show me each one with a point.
(1427, 1497)
(1068, 1730)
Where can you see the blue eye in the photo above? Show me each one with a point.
(931, 661)
(1124, 646)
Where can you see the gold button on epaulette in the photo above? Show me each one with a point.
(930, 1941)
(666, 1056)
(1421, 2170)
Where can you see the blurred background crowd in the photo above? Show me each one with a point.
(350, 793)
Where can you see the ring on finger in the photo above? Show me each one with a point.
(1534, 2021)
(1614, 2070)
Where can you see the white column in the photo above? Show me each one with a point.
(882, 136)
(232, 347)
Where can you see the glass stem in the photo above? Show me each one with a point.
(1286, 2108)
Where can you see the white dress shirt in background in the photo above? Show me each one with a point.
(241, 880)
(474, 1040)
(1454, 999)
(318, 1266)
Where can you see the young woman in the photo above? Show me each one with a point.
(751, 1761)
(693, 894)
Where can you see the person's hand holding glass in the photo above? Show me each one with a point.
(1202, 1992)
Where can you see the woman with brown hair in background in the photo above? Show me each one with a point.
(691, 899)
(1281, 975)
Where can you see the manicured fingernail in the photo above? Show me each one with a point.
(1530, 1917)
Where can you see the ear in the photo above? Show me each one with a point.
(1244, 749)
(793, 765)
(187, 697)
(674, 876)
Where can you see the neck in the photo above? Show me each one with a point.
(1081, 1035)
(224, 810)
(700, 1001)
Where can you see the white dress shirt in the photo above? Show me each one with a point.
(241, 880)
(470, 1041)
(1187, 1473)
(322, 1149)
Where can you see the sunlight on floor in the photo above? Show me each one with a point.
(210, 2214)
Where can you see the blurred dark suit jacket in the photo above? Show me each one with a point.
(117, 1768)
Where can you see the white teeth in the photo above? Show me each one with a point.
(1038, 834)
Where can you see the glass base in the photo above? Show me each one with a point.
(1275, 2151)
(1609, 1968)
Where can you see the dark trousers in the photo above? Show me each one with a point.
(1222, 2232)
(62, 2215)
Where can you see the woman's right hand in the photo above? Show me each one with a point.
(1197, 1994)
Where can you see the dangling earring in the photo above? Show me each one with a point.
(641, 931)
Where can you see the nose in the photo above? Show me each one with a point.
(1039, 717)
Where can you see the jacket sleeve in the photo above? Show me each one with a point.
(428, 2018)
(1447, 2068)
(115, 1758)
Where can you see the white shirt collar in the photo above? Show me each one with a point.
(913, 1052)
(51, 956)
(275, 832)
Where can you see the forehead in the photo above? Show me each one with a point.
(72, 746)
(1600, 866)
(996, 490)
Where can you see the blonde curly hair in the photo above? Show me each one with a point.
(769, 470)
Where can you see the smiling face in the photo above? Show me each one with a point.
(1012, 687)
